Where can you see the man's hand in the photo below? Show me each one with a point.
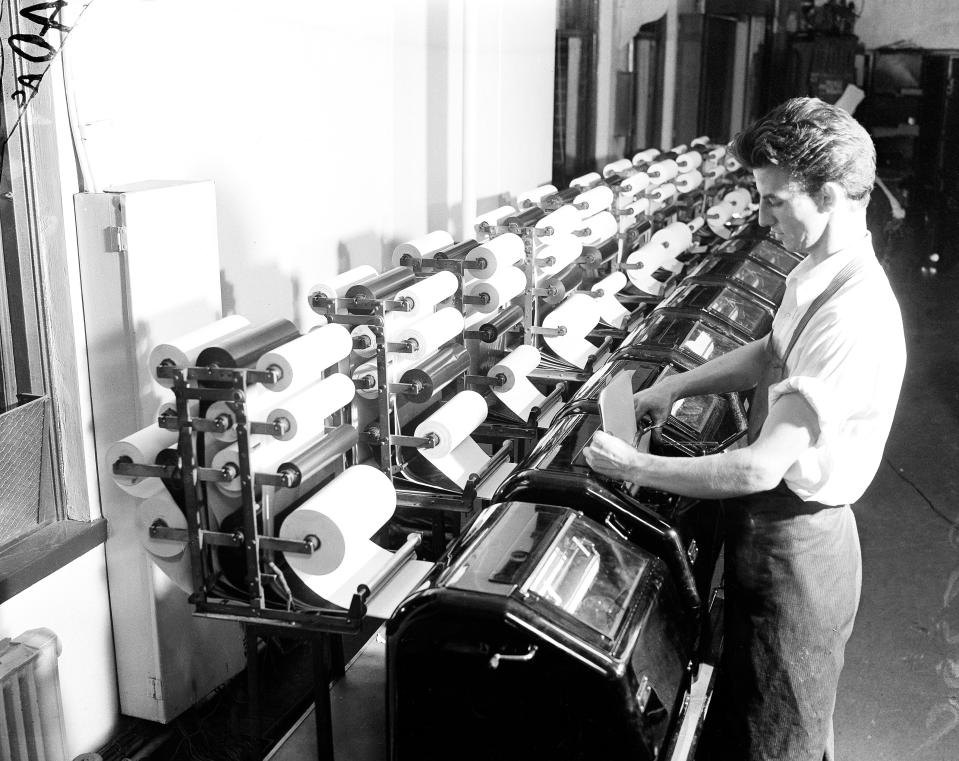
(653, 405)
(613, 457)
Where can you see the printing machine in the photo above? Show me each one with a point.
(569, 621)
(541, 635)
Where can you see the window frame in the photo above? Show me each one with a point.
(41, 342)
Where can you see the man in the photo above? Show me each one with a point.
(826, 382)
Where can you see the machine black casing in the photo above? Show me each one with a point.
(479, 666)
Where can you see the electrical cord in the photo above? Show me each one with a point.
(899, 472)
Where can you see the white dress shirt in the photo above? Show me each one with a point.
(848, 364)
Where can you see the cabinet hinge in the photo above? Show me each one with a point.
(117, 239)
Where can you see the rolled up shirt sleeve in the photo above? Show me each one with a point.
(818, 395)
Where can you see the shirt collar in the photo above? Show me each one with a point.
(810, 280)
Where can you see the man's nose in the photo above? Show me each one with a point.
(766, 219)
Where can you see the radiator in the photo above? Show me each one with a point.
(31, 715)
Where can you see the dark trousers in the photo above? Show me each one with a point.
(792, 582)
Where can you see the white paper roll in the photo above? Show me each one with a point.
(579, 315)
(662, 171)
(337, 285)
(365, 332)
(142, 448)
(515, 366)
(518, 394)
(453, 422)
(636, 183)
(594, 200)
(394, 369)
(393, 323)
(423, 247)
(534, 196)
(160, 507)
(499, 252)
(432, 331)
(307, 411)
(611, 284)
(168, 405)
(563, 249)
(428, 292)
(652, 255)
(644, 157)
(585, 181)
(689, 161)
(360, 374)
(170, 557)
(688, 181)
(562, 221)
(676, 237)
(601, 227)
(701, 140)
(266, 455)
(731, 163)
(716, 154)
(610, 310)
(662, 194)
(492, 218)
(183, 350)
(716, 218)
(343, 515)
(739, 198)
(259, 402)
(714, 174)
(502, 288)
(303, 360)
(615, 167)
(637, 208)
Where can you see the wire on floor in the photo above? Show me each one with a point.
(899, 472)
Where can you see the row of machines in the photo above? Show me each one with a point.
(291, 476)
(571, 618)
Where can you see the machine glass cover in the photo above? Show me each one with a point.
(665, 330)
(589, 575)
(775, 255)
(518, 534)
(707, 343)
(697, 415)
(740, 311)
(693, 296)
(757, 277)
(752, 274)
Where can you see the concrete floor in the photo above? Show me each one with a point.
(899, 693)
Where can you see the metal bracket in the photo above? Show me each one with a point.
(117, 239)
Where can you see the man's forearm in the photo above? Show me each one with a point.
(736, 371)
(716, 476)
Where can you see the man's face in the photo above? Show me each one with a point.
(794, 217)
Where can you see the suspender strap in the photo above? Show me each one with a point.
(841, 278)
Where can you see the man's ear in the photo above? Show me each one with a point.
(829, 196)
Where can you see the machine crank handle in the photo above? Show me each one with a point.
(526, 657)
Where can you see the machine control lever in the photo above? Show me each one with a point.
(526, 657)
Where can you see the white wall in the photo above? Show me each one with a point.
(925, 23)
(73, 603)
(332, 130)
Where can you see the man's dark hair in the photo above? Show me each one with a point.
(815, 142)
